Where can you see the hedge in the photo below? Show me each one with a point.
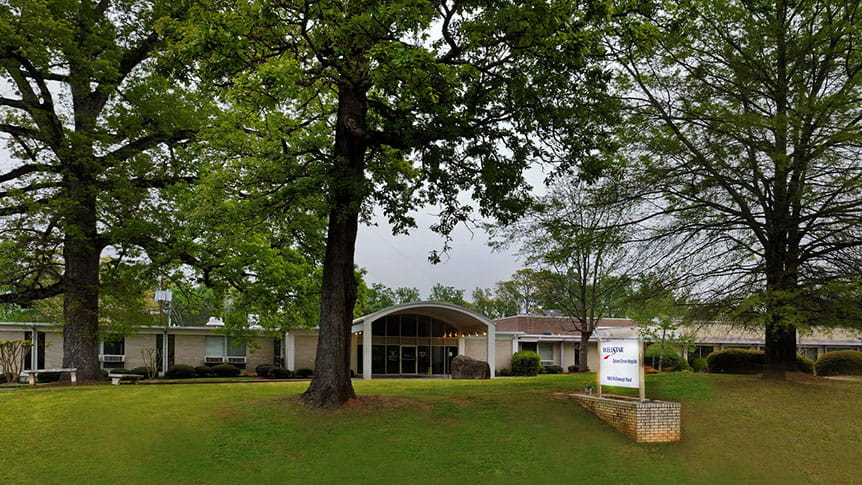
(226, 370)
(204, 371)
(526, 363)
(839, 363)
(181, 371)
(741, 361)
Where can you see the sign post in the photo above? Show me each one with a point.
(621, 364)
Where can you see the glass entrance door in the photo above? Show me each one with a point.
(408, 359)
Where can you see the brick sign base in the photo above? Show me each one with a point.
(644, 422)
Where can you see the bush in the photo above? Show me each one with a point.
(573, 369)
(304, 373)
(2, 378)
(49, 376)
(526, 363)
(263, 370)
(181, 371)
(735, 361)
(143, 371)
(504, 372)
(839, 363)
(552, 369)
(226, 370)
(117, 371)
(279, 373)
(804, 364)
(699, 364)
(671, 361)
(740, 361)
(204, 371)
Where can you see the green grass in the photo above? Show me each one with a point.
(736, 429)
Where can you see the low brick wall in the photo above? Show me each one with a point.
(644, 422)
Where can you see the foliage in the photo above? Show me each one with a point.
(551, 369)
(181, 371)
(380, 296)
(841, 362)
(804, 364)
(744, 134)
(150, 356)
(144, 371)
(735, 361)
(573, 369)
(279, 373)
(699, 364)
(12, 354)
(98, 136)
(304, 373)
(226, 370)
(338, 107)
(263, 370)
(204, 371)
(526, 363)
(450, 294)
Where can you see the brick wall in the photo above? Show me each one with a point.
(644, 422)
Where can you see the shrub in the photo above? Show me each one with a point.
(699, 364)
(226, 370)
(2, 378)
(119, 370)
(573, 369)
(144, 371)
(279, 373)
(526, 363)
(840, 362)
(740, 361)
(804, 364)
(263, 370)
(50, 376)
(552, 369)
(304, 373)
(181, 371)
(504, 372)
(671, 361)
(204, 371)
(735, 361)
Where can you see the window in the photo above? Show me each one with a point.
(113, 353)
(546, 350)
(221, 349)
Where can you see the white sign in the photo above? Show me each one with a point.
(620, 364)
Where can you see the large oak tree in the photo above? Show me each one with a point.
(95, 133)
(752, 120)
(400, 104)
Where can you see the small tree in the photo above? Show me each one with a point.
(151, 358)
(12, 354)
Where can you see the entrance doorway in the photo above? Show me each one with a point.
(408, 359)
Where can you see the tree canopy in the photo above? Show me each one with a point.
(751, 122)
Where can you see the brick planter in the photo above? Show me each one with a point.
(644, 422)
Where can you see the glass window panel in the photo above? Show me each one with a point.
(437, 362)
(114, 347)
(378, 359)
(424, 327)
(392, 329)
(215, 346)
(546, 350)
(235, 347)
(408, 325)
(423, 360)
(528, 346)
(436, 329)
(393, 359)
(378, 328)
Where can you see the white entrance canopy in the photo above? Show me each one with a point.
(465, 320)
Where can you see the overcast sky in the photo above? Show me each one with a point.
(399, 261)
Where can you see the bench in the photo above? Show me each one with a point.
(31, 374)
(116, 378)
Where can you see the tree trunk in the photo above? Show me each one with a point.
(582, 357)
(81, 284)
(331, 386)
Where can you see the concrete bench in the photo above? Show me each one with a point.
(31, 374)
(116, 378)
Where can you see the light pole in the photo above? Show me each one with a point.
(163, 297)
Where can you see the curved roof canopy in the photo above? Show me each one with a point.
(465, 320)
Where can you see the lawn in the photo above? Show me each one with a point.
(736, 429)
